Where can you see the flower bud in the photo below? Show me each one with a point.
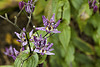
(21, 4)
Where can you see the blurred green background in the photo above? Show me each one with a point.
(78, 44)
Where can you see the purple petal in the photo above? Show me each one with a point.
(49, 46)
(16, 52)
(56, 31)
(23, 34)
(35, 38)
(23, 49)
(21, 4)
(45, 41)
(30, 34)
(19, 40)
(44, 21)
(33, 8)
(49, 53)
(95, 8)
(94, 2)
(41, 28)
(24, 43)
(90, 4)
(14, 57)
(24, 29)
(42, 53)
(18, 35)
(7, 51)
(28, 9)
(57, 24)
(40, 37)
(51, 49)
(53, 18)
(37, 51)
(11, 50)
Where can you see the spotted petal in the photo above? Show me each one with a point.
(18, 35)
(41, 28)
(16, 52)
(57, 24)
(30, 34)
(49, 46)
(53, 18)
(49, 53)
(44, 21)
(24, 43)
(56, 31)
(37, 50)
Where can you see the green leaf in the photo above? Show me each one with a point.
(97, 49)
(32, 61)
(42, 58)
(66, 12)
(83, 46)
(76, 3)
(70, 53)
(83, 16)
(64, 37)
(6, 66)
(39, 7)
(83, 59)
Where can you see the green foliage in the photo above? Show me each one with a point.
(65, 37)
(78, 44)
(32, 61)
(42, 58)
(7, 66)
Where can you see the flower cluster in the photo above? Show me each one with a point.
(29, 7)
(42, 46)
(39, 42)
(22, 37)
(92, 4)
(12, 52)
(50, 26)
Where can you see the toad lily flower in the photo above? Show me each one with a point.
(21, 4)
(11, 52)
(30, 7)
(50, 26)
(39, 42)
(42, 47)
(22, 37)
(92, 4)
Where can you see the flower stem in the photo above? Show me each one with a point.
(28, 43)
(28, 21)
(5, 18)
(20, 11)
(50, 35)
(45, 35)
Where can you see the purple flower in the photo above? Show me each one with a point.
(90, 3)
(22, 37)
(12, 52)
(21, 4)
(39, 42)
(50, 26)
(29, 7)
(94, 2)
(42, 47)
(95, 8)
